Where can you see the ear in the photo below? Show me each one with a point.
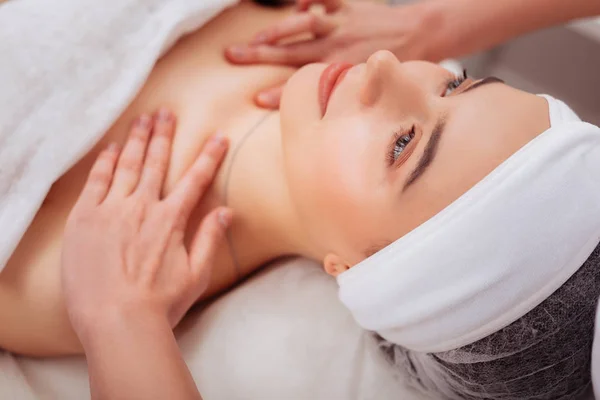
(335, 265)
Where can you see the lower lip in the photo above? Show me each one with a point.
(330, 78)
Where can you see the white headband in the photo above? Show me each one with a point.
(492, 255)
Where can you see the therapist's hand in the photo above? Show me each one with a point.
(348, 32)
(124, 254)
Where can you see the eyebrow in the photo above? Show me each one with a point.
(428, 153)
(432, 145)
(484, 81)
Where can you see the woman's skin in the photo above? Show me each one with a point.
(206, 94)
(303, 183)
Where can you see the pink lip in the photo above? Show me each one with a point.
(330, 78)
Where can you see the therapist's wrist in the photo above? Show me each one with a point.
(459, 31)
(448, 29)
(461, 27)
(423, 42)
(94, 329)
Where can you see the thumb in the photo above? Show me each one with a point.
(207, 239)
(269, 98)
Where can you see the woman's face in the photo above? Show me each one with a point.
(392, 145)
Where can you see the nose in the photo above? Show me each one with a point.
(379, 67)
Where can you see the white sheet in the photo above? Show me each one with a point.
(68, 68)
(283, 335)
(297, 342)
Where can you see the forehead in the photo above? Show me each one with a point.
(483, 128)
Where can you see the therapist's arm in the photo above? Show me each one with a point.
(428, 29)
(127, 272)
(467, 26)
(425, 30)
(135, 356)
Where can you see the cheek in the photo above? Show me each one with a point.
(336, 176)
(344, 208)
(316, 173)
(330, 180)
(375, 223)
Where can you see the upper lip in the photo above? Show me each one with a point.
(330, 78)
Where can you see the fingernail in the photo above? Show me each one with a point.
(237, 51)
(219, 138)
(224, 218)
(260, 39)
(112, 147)
(266, 99)
(164, 114)
(143, 121)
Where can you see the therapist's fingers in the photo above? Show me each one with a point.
(330, 5)
(198, 178)
(269, 98)
(131, 160)
(318, 25)
(206, 242)
(295, 54)
(159, 153)
(100, 178)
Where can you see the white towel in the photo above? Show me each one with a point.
(68, 68)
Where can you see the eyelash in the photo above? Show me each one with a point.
(454, 83)
(403, 139)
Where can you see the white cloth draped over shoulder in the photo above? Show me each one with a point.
(67, 70)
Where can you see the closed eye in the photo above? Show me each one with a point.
(455, 83)
(399, 147)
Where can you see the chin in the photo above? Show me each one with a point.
(299, 100)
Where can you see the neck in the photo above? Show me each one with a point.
(266, 225)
